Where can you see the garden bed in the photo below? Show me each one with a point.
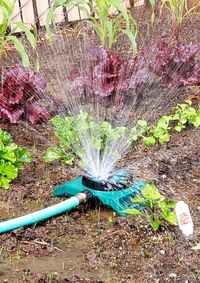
(92, 244)
(94, 239)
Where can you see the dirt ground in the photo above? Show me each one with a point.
(92, 244)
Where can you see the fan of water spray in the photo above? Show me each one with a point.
(106, 94)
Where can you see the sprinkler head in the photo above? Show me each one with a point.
(120, 181)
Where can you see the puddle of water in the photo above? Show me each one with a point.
(67, 263)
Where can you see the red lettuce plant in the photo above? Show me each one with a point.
(176, 64)
(110, 75)
(20, 96)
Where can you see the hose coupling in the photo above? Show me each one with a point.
(84, 196)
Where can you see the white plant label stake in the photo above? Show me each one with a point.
(184, 218)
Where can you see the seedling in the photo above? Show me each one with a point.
(162, 131)
(157, 210)
(178, 10)
(186, 114)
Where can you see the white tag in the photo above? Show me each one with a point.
(184, 218)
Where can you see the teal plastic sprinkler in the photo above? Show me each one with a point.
(117, 192)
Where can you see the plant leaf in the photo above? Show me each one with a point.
(132, 211)
(170, 217)
(20, 49)
(151, 192)
(155, 225)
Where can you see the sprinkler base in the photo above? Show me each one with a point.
(119, 200)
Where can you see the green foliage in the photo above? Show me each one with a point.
(7, 9)
(54, 5)
(186, 114)
(158, 211)
(153, 6)
(197, 247)
(107, 28)
(79, 133)
(140, 130)
(161, 132)
(12, 158)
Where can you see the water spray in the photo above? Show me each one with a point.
(117, 192)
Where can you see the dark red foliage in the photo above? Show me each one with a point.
(19, 96)
(176, 64)
(110, 75)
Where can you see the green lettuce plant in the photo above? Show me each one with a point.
(79, 133)
(158, 211)
(12, 158)
(7, 9)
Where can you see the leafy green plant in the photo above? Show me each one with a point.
(7, 9)
(161, 132)
(78, 133)
(107, 28)
(12, 158)
(186, 114)
(151, 135)
(158, 211)
(140, 130)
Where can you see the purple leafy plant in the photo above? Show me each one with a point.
(176, 64)
(20, 96)
(113, 76)
(110, 75)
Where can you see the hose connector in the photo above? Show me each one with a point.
(84, 196)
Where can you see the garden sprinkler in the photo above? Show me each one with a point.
(116, 191)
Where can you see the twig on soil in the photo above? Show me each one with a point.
(36, 242)
(44, 243)
(117, 232)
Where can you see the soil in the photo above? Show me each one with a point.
(94, 244)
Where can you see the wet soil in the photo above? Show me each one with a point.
(92, 244)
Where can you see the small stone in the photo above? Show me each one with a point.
(162, 252)
(172, 275)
